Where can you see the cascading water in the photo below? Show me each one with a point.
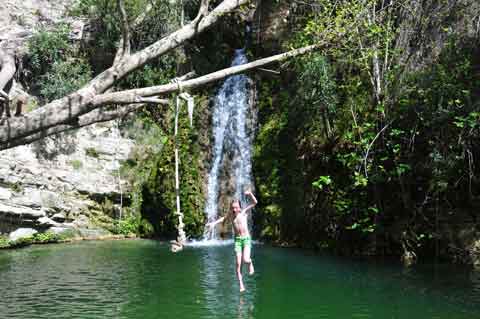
(231, 136)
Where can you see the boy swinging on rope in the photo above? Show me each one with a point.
(243, 241)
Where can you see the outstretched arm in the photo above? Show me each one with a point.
(211, 224)
(254, 201)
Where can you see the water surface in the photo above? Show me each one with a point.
(142, 279)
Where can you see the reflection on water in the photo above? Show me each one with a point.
(246, 306)
(220, 286)
(142, 279)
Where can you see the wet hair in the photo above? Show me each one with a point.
(236, 201)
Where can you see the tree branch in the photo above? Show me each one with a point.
(124, 43)
(128, 96)
(203, 11)
(96, 116)
(80, 102)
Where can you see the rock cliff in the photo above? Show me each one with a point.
(68, 183)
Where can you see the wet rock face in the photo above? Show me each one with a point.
(63, 182)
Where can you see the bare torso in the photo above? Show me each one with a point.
(240, 224)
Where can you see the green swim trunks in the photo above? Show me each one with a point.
(242, 241)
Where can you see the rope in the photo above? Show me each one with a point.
(187, 97)
(118, 168)
(179, 84)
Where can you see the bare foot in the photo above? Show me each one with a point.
(251, 271)
(242, 288)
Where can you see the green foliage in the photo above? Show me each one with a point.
(146, 229)
(323, 181)
(17, 187)
(21, 242)
(128, 226)
(47, 237)
(150, 141)
(269, 164)
(38, 238)
(47, 47)
(92, 152)
(4, 242)
(150, 169)
(162, 71)
(63, 78)
(104, 19)
(76, 164)
(159, 188)
(338, 165)
(57, 68)
(317, 96)
(162, 19)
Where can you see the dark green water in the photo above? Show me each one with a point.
(142, 279)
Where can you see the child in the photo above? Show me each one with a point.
(243, 241)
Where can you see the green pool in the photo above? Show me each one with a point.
(142, 279)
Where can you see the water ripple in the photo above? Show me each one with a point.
(142, 279)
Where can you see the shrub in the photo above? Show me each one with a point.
(47, 237)
(64, 77)
(76, 164)
(21, 242)
(4, 242)
(127, 226)
(17, 187)
(47, 47)
(92, 152)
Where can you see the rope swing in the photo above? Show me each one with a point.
(177, 245)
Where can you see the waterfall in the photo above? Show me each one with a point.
(231, 136)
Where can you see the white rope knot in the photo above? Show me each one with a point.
(178, 82)
(187, 97)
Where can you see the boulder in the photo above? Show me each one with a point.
(21, 233)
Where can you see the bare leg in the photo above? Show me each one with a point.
(239, 271)
(247, 259)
